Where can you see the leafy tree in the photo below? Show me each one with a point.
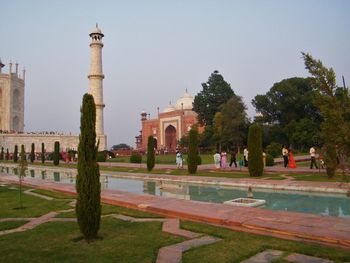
(151, 157)
(255, 157)
(287, 108)
(230, 123)
(32, 153)
(56, 153)
(7, 154)
(2, 153)
(88, 207)
(121, 146)
(42, 153)
(23, 165)
(193, 150)
(15, 154)
(335, 129)
(216, 91)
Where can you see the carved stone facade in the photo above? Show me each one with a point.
(11, 100)
(170, 126)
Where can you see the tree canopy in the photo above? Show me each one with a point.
(120, 146)
(216, 91)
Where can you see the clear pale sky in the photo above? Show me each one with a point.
(154, 50)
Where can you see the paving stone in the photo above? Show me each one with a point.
(265, 256)
(172, 226)
(300, 258)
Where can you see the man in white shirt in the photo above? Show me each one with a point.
(313, 157)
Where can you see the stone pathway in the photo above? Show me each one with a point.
(270, 255)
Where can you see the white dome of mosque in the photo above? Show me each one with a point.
(185, 102)
(169, 108)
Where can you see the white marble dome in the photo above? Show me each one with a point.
(169, 108)
(185, 102)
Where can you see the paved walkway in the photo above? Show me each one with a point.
(297, 226)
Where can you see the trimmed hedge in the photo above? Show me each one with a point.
(135, 157)
(255, 156)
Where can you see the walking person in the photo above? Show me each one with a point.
(217, 159)
(233, 158)
(245, 156)
(313, 158)
(223, 160)
(285, 156)
(179, 159)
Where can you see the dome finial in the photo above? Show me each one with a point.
(96, 25)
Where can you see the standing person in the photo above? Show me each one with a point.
(313, 158)
(245, 156)
(285, 156)
(178, 159)
(217, 160)
(264, 158)
(223, 159)
(291, 161)
(233, 158)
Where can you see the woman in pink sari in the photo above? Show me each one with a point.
(223, 160)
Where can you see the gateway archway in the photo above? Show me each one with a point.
(170, 138)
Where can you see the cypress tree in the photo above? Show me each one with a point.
(7, 154)
(255, 163)
(2, 153)
(42, 153)
(22, 172)
(151, 158)
(88, 207)
(193, 150)
(15, 154)
(32, 153)
(56, 154)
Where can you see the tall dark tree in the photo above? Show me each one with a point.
(7, 154)
(23, 165)
(32, 153)
(193, 154)
(231, 123)
(151, 157)
(255, 152)
(56, 153)
(216, 91)
(88, 207)
(2, 153)
(335, 129)
(287, 108)
(15, 154)
(42, 153)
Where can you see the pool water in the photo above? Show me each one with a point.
(315, 203)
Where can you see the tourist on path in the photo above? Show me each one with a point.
(217, 159)
(285, 156)
(245, 156)
(223, 160)
(264, 158)
(233, 158)
(291, 161)
(179, 159)
(313, 158)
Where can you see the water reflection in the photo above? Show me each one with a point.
(328, 205)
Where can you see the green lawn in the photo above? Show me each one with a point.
(121, 241)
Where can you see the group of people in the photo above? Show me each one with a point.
(220, 160)
(288, 158)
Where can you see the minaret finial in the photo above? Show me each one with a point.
(186, 90)
(96, 25)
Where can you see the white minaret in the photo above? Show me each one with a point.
(95, 83)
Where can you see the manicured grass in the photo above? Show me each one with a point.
(11, 224)
(237, 246)
(59, 242)
(33, 206)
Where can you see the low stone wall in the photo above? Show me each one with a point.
(8, 141)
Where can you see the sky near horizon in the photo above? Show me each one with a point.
(155, 49)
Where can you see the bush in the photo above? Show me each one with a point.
(32, 153)
(269, 160)
(255, 157)
(151, 157)
(199, 160)
(274, 149)
(135, 157)
(101, 156)
(15, 154)
(56, 154)
(193, 150)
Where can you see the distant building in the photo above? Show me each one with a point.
(12, 107)
(11, 99)
(172, 124)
